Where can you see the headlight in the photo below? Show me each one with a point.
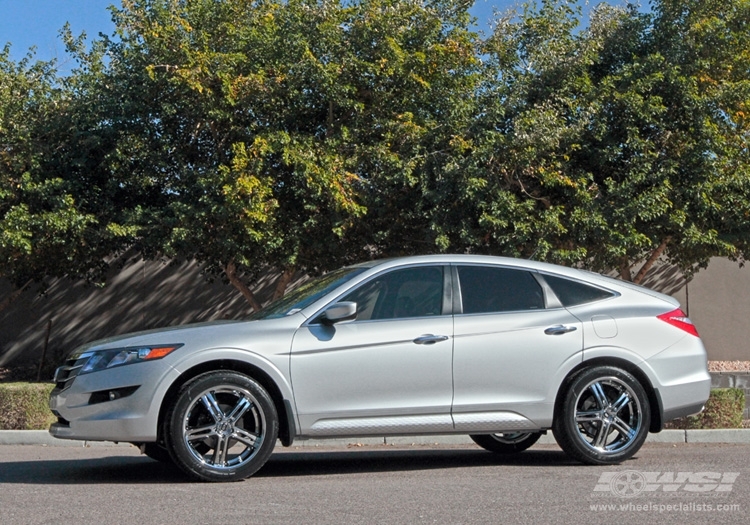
(103, 359)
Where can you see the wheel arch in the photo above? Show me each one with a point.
(656, 424)
(287, 427)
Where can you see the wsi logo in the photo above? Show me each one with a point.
(631, 483)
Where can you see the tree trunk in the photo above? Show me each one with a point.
(247, 293)
(284, 279)
(625, 274)
(651, 261)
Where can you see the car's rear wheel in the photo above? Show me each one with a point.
(221, 427)
(604, 416)
(506, 442)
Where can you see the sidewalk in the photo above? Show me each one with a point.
(729, 435)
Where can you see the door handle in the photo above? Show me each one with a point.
(560, 329)
(430, 339)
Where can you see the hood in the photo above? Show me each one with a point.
(156, 336)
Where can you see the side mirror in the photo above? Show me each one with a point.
(336, 313)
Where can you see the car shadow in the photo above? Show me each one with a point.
(385, 459)
(283, 463)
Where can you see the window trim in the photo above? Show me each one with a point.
(551, 300)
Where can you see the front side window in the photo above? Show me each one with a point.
(486, 289)
(400, 294)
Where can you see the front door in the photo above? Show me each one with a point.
(387, 372)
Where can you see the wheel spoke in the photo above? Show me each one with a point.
(621, 402)
(209, 401)
(247, 438)
(624, 429)
(588, 416)
(601, 397)
(601, 435)
(221, 450)
(239, 410)
(198, 433)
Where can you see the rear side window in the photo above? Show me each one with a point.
(485, 289)
(572, 293)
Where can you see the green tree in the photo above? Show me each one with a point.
(43, 231)
(298, 135)
(506, 191)
(617, 144)
(289, 135)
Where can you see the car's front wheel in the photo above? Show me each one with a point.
(222, 426)
(604, 416)
(506, 442)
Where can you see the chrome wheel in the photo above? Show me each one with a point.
(608, 415)
(604, 416)
(506, 442)
(223, 427)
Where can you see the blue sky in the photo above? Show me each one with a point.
(26, 23)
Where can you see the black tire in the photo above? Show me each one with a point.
(604, 416)
(156, 451)
(221, 427)
(506, 442)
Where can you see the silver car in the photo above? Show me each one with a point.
(500, 349)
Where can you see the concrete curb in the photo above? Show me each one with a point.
(729, 435)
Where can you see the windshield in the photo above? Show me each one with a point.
(306, 294)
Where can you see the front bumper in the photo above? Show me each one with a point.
(86, 412)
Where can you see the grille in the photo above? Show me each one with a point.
(65, 375)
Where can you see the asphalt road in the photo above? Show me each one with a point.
(665, 483)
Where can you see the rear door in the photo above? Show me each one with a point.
(511, 350)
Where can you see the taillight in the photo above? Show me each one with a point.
(680, 320)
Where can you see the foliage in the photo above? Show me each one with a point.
(620, 143)
(258, 134)
(25, 406)
(723, 409)
(43, 229)
(298, 135)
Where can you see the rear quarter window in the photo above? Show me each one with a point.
(573, 293)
